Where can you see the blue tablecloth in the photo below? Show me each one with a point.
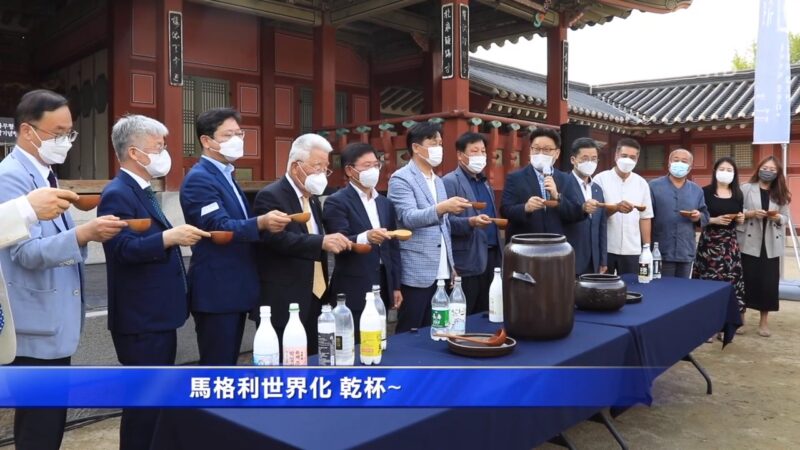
(587, 345)
(675, 316)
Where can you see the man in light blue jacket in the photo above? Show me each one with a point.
(44, 274)
(422, 206)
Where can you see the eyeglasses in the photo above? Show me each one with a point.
(154, 151)
(226, 136)
(377, 165)
(594, 160)
(545, 150)
(317, 169)
(59, 138)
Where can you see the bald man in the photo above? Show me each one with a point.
(674, 233)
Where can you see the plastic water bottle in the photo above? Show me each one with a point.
(326, 337)
(656, 262)
(458, 309)
(496, 297)
(266, 351)
(381, 308)
(645, 265)
(295, 344)
(440, 312)
(370, 329)
(344, 354)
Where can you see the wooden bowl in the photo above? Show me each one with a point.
(501, 223)
(478, 205)
(301, 217)
(641, 208)
(221, 237)
(361, 249)
(551, 203)
(139, 225)
(772, 213)
(730, 216)
(401, 235)
(685, 213)
(87, 202)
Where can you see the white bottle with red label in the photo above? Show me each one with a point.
(295, 342)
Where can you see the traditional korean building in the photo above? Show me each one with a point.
(354, 70)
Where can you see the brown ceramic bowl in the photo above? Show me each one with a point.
(139, 225)
(478, 205)
(221, 237)
(772, 213)
(686, 214)
(361, 249)
(87, 202)
(301, 217)
(551, 203)
(501, 223)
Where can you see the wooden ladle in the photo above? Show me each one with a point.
(401, 235)
(551, 203)
(361, 249)
(495, 340)
(501, 223)
(478, 205)
(301, 217)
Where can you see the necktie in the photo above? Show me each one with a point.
(51, 178)
(319, 279)
(151, 195)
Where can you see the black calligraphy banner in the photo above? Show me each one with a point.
(175, 48)
(447, 41)
(464, 41)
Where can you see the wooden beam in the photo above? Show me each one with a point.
(273, 9)
(522, 9)
(358, 10)
(403, 21)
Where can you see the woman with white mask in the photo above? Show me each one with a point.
(718, 256)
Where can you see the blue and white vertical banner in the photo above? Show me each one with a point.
(205, 387)
(772, 109)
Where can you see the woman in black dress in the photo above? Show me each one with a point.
(718, 256)
(762, 238)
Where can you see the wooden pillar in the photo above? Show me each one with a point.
(454, 85)
(268, 156)
(556, 101)
(432, 74)
(374, 92)
(324, 110)
(170, 98)
(119, 70)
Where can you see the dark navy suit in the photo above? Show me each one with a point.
(147, 299)
(223, 280)
(588, 235)
(522, 185)
(354, 274)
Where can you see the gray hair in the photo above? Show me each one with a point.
(691, 156)
(302, 146)
(130, 128)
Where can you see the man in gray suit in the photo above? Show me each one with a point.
(422, 206)
(44, 274)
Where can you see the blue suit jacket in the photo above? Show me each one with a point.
(588, 235)
(470, 245)
(43, 274)
(522, 185)
(355, 274)
(416, 211)
(222, 278)
(146, 291)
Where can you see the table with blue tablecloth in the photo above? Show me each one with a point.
(587, 345)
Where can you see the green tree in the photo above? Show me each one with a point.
(747, 60)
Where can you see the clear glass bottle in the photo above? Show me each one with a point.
(458, 309)
(344, 354)
(656, 262)
(326, 337)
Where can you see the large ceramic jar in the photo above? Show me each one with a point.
(600, 292)
(538, 283)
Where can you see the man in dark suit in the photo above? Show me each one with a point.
(476, 240)
(588, 235)
(147, 290)
(364, 216)
(293, 265)
(223, 280)
(527, 189)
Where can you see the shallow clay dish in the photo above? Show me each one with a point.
(476, 350)
(221, 237)
(87, 202)
(478, 205)
(139, 225)
(301, 217)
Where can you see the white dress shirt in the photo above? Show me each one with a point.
(586, 188)
(624, 234)
(227, 171)
(372, 212)
(313, 220)
(144, 184)
(444, 268)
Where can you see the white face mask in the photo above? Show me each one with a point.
(541, 162)
(160, 163)
(625, 165)
(369, 178)
(724, 177)
(476, 163)
(232, 149)
(52, 152)
(587, 168)
(434, 155)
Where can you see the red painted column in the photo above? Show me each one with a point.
(324, 111)
(118, 69)
(170, 98)
(455, 92)
(556, 104)
(432, 73)
(268, 156)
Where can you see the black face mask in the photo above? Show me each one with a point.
(767, 176)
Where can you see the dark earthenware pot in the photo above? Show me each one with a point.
(600, 292)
